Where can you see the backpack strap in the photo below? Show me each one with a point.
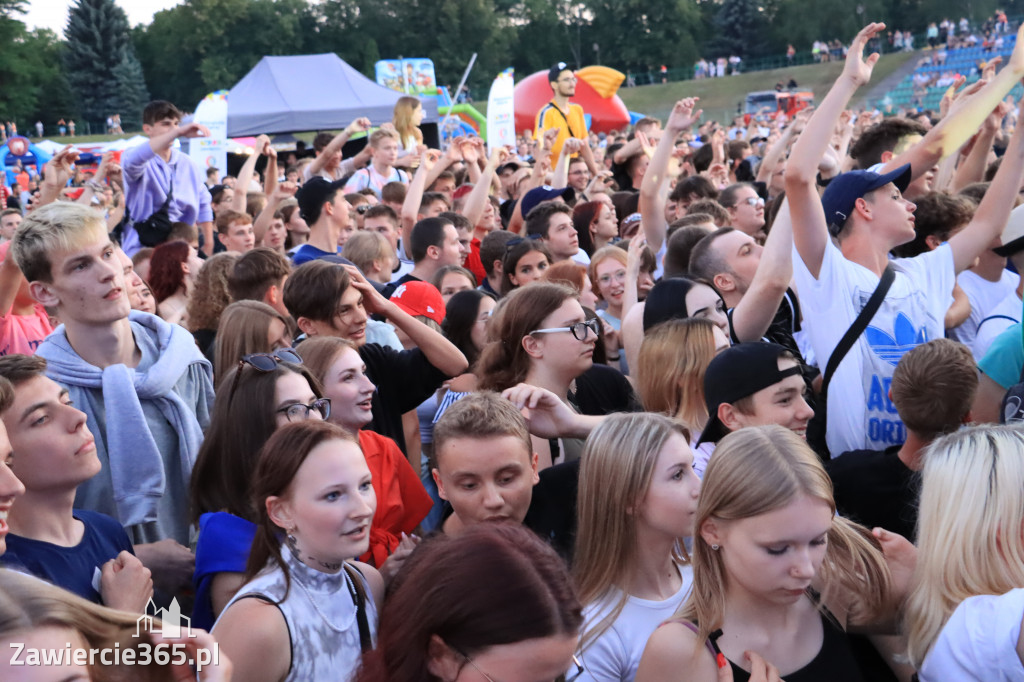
(858, 326)
(358, 592)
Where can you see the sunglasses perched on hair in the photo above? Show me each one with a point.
(362, 208)
(579, 329)
(264, 362)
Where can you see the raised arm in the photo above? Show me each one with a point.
(810, 232)
(964, 119)
(652, 195)
(270, 172)
(284, 190)
(438, 350)
(994, 210)
(972, 168)
(757, 308)
(476, 201)
(361, 124)
(244, 181)
(414, 195)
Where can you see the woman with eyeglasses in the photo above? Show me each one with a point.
(491, 604)
(525, 261)
(262, 393)
(306, 610)
(637, 501)
(402, 502)
(540, 336)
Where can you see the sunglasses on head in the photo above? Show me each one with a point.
(264, 362)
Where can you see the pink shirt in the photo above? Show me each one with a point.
(23, 333)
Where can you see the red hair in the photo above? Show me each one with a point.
(583, 216)
(166, 275)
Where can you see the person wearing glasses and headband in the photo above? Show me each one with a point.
(746, 209)
(306, 611)
(470, 625)
(540, 336)
(259, 395)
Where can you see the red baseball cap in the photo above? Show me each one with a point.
(420, 298)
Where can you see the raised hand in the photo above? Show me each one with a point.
(193, 129)
(858, 68)
(360, 125)
(683, 116)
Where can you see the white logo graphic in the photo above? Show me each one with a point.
(170, 625)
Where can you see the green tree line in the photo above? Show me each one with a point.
(103, 67)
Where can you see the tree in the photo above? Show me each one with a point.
(96, 44)
(131, 95)
(638, 34)
(741, 28)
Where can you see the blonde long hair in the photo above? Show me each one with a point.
(615, 474)
(405, 107)
(27, 603)
(757, 470)
(968, 527)
(670, 371)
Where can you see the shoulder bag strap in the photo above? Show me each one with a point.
(359, 597)
(858, 326)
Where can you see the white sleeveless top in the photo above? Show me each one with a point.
(321, 616)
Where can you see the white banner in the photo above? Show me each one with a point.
(212, 112)
(501, 124)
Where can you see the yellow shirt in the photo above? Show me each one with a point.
(571, 125)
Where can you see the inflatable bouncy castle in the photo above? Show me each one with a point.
(595, 92)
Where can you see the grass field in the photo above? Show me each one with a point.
(720, 96)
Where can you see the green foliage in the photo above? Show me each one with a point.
(741, 28)
(130, 95)
(96, 42)
(642, 34)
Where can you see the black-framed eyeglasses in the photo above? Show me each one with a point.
(298, 412)
(579, 329)
(575, 674)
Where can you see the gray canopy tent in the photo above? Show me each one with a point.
(312, 92)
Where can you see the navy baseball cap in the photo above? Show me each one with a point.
(737, 372)
(844, 190)
(555, 71)
(312, 196)
(538, 195)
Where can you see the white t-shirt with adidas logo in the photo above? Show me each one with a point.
(860, 414)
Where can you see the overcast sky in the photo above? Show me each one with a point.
(53, 14)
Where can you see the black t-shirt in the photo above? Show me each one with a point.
(603, 390)
(404, 379)
(390, 288)
(552, 513)
(875, 488)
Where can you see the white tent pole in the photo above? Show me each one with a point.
(465, 75)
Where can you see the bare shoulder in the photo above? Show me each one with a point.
(674, 648)
(254, 634)
(374, 579)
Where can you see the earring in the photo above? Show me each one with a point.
(714, 547)
(293, 544)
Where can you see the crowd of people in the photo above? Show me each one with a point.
(683, 402)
